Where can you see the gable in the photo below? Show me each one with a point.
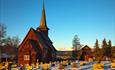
(41, 39)
(30, 35)
(86, 48)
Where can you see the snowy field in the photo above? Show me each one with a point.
(87, 66)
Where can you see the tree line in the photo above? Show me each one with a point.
(105, 50)
(99, 51)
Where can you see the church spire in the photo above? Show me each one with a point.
(43, 25)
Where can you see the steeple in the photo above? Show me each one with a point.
(43, 25)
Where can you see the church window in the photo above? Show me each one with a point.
(26, 57)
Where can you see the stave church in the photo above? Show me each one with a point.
(37, 46)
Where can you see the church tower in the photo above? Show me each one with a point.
(43, 26)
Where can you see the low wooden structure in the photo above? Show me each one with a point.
(86, 53)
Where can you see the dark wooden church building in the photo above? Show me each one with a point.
(37, 45)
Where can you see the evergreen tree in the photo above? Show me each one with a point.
(104, 47)
(109, 43)
(97, 51)
(76, 46)
(108, 49)
(76, 43)
(104, 43)
(96, 44)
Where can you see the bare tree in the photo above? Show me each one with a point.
(2, 33)
(13, 41)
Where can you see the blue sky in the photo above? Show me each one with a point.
(89, 19)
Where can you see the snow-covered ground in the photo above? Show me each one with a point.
(87, 66)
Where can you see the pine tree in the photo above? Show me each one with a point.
(109, 43)
(76, 46)
(76, 43)
(97, 51)
(104, 47)
(96, 44)
(104, 43)
(108, 49)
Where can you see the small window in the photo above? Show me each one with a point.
(26, 57)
